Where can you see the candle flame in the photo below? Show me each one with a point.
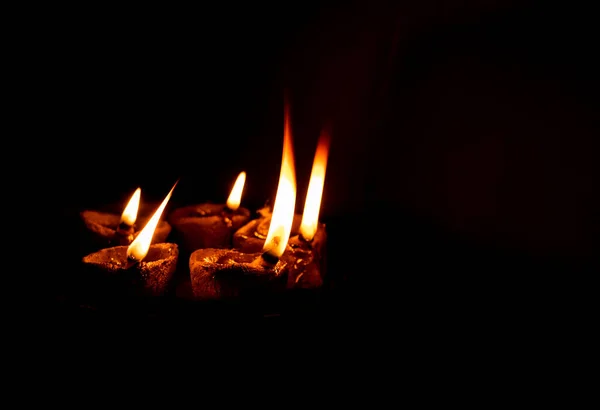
(141, 244)
(310, 216)
(235, 197)
(285, 199)
(130, 212)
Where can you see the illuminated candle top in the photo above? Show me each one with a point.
(285, 199)
(312, 206)
(235, 197)
(141, 244)
(131, 210)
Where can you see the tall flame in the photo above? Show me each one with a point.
(312, 206)
(141, 244)
(285, 199)
(130, 212)
(235, 197)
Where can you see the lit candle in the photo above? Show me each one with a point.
(224, 273)
(142, 266)
(308, 245)
(210, 225)
(105, 229)
(308, 240)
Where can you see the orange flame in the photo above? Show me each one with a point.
(312, 206)
(285, 199)
(141, 244)
(130, 212)
(235, 197)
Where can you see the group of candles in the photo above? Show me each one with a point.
(229, 253)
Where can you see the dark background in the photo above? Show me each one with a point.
(462, 174)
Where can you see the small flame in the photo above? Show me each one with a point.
(312, 206)
(285, 200)
(235, 197)
(131, 210)
(141, 244)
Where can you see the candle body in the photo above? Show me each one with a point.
(310, 263)
(101, 230)
(229, 274)
(308, 259)
(108, 270)
(206, 225)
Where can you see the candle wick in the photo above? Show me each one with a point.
(131, 262)
(124, 225)
(227, 214)
(304, 239)
(268, 259)
(125, 229)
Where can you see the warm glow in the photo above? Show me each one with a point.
(285, 200)
(235, 197)
(141, 244)
(312, 206)
(131, 210)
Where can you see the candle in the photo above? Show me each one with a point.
(308, 245)
(105, 229)
(224, 273)
(142, 267)
(309, 237)
(210, 225)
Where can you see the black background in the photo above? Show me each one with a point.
(463, 165)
